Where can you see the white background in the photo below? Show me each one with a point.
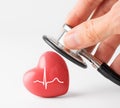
(22, 24)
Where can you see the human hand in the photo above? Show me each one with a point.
(95, 21)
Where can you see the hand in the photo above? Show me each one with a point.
(93, 22)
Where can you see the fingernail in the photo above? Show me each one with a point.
(70, 41)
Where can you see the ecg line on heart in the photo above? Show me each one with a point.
(45, 82)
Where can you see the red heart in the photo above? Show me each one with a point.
(50, 78)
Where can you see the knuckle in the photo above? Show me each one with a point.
(91, 34)
(115, 24)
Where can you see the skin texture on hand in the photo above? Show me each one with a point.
(93, 22)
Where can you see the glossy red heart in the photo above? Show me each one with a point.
(50, 78)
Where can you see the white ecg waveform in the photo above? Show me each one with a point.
(45, 82)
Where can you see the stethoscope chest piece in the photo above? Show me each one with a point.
(58, 45)
(76, 56)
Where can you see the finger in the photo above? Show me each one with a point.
(81, 11)
(103, 8)
(116, 64)
(107, 48)
(88, 33)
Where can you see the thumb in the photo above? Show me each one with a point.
(88, 33)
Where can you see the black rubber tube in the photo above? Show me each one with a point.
(109, 73)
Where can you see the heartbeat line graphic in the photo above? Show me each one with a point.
(45, 82)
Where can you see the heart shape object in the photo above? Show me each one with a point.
(50, 78)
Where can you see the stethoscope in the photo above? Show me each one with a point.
(75, 56)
